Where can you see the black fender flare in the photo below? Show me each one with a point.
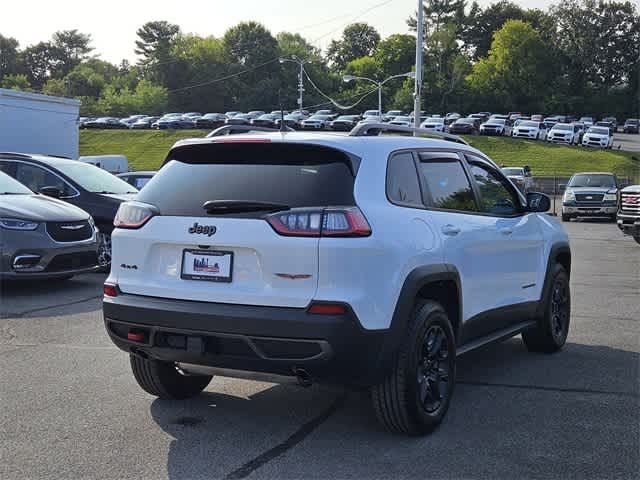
(557, 249)
(413, 283)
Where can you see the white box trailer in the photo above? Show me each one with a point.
(34, 123)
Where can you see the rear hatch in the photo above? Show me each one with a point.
(228, 251)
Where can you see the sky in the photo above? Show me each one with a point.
(113, 24)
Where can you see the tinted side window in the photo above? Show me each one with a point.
(448, 185)
(403, 186)
(9, 168)
(35, 178)
(495, 196)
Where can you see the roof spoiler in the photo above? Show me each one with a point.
(374, 129)
(238, 129)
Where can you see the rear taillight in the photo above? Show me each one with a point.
(321, 222)
(110, 290)
(133, 215)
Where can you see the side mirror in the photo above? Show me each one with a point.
(538, 202)
(53, 192)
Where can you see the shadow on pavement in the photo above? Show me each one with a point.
(210, 430)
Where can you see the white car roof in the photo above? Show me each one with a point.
(359, 146)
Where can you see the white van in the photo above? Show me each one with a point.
(110, 163)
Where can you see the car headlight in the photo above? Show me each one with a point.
(611, 196)
(17, 224)
(569, 196)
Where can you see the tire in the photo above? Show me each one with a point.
(566, 218)
(550, 334)
(163, 380)
(411, 399)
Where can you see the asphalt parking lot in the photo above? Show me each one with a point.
(70, 408)
(627, 141)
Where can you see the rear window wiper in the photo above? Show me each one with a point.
(241, 206)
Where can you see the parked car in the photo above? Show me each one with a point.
(86, 186)
(614, 123)
(105, 123)
(324, 112)
(111, 163)
(42, 237)
(482, 116)
(495, 126)
(279, 113)
(128, 121)
(232, 114)
(371, 113)
(137, 179)
(255, 114)
(344, 123)
(172, 121)
(590, 195)
(600, 137)
(606, 124)
(587, 121)
(435, 124)
(629, 211)
(537, 118)
(632, 125)
(530, 129)
(402, 120)
(467, 126)
(449, 118)
(239, 119)
(266, 120)
(217, 290)
(144, 123)
(292, 120)
(392, 114)
(210, 121)
(568, 133)
(316, 122)
(520, 176)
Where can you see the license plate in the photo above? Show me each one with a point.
(208, 266)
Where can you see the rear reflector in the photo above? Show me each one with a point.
(110, 290)
(135, 336)
(321, 222)
(327, 309)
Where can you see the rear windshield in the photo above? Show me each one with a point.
(289, 174)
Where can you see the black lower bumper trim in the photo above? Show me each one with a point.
(330, 348)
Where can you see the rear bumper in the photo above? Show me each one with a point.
(273, 340)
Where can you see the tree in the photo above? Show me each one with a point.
(15, 82)
(438, 13)
(517, 73)
(250, 44)
(396, 54)
(68, 49)
(146, 97)
(358, 40)
(154, 46)
(9, 57)
(38, 63)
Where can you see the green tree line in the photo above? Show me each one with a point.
(580, 56)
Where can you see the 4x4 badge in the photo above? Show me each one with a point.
(202, 229)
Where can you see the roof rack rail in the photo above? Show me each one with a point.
(237, 129)
(374, 129)
(14, 155)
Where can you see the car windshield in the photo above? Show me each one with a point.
(10, 186)
(513, 171)
(562, 127)
(595, 180)
(586, 119)
(497, 121)
(320, 117)
(465, 121)
(94, 179)
(402, 119)
(268, 116)
(631, 121)
(599, 130)
(346, 117)
(211, 115)
(528, 124)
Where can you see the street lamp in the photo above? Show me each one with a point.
(350, 78)
(300, 62)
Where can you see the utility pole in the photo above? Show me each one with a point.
(379, 85)
(300, 62)
(417, 106)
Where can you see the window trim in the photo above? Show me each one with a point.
(420, 186)
(55, 174)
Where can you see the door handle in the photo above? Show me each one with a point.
(450, 230)
(506, 231)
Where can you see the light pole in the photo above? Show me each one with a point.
(417, 94)
(349, 78)
(300, 62)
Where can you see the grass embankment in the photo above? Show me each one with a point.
(147, 148)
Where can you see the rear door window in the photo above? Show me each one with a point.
(289, 174)
(447, 182)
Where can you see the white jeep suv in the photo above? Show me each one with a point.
(600, 137)
(368, 261)
(568, 133)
